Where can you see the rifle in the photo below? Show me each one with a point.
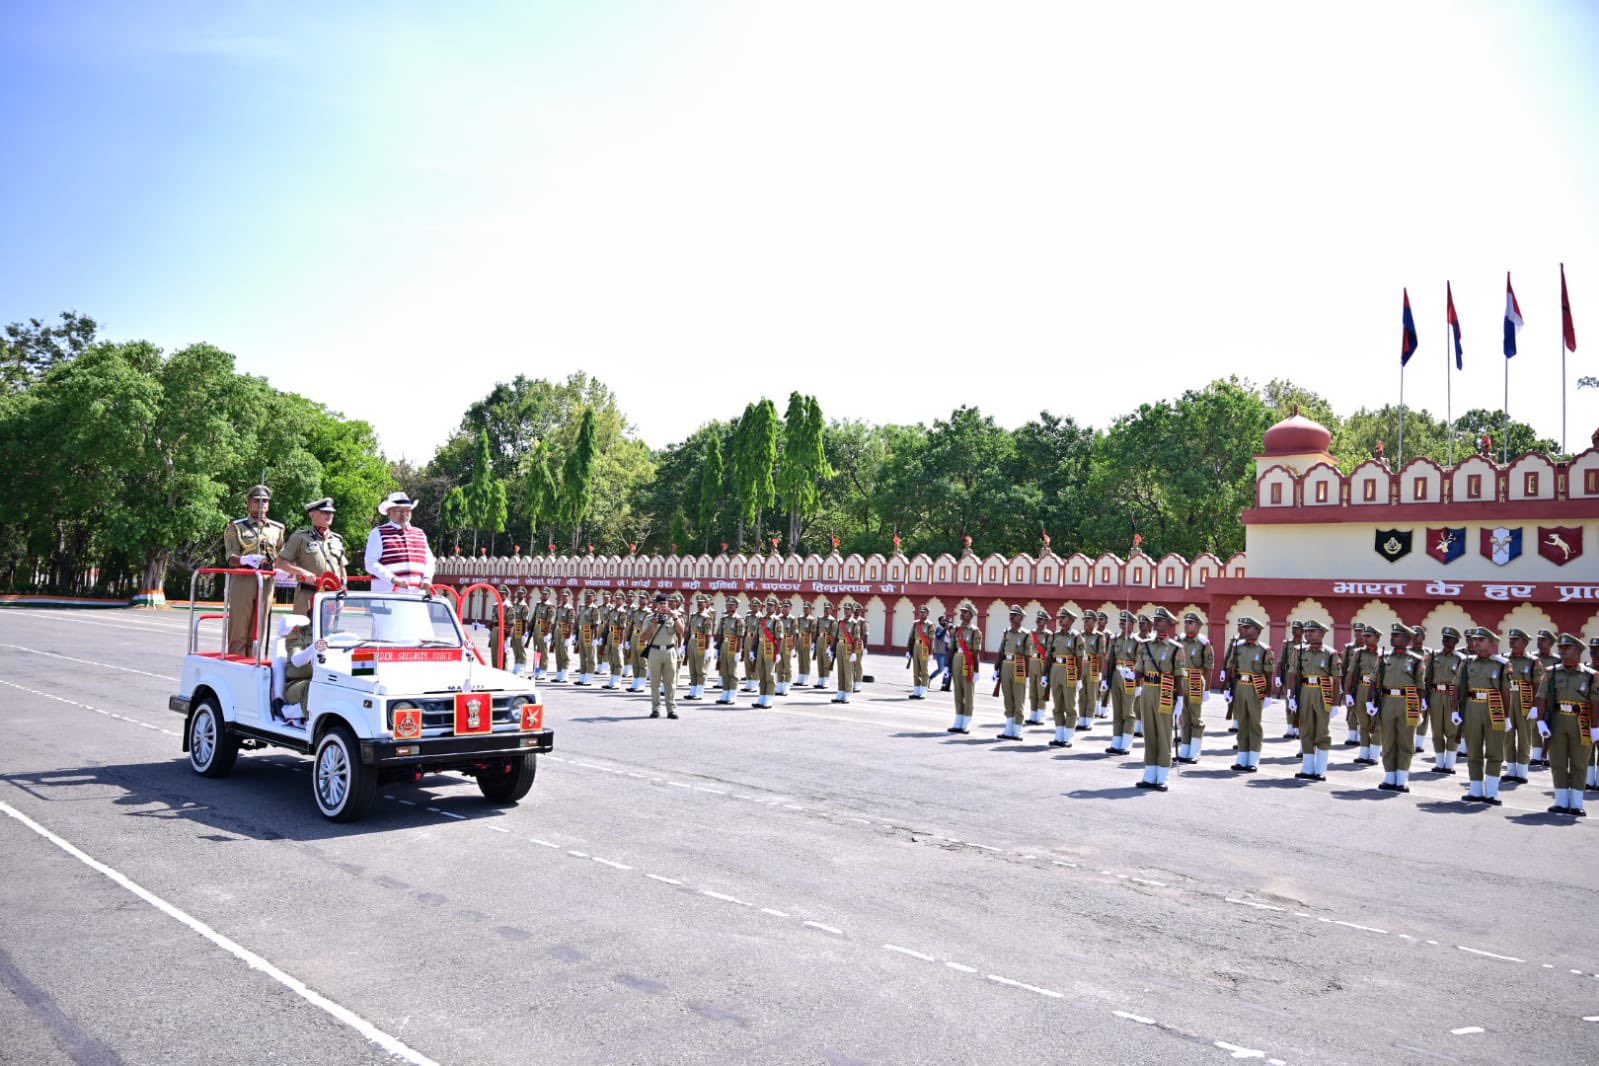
(997, 674)
(1227, 671)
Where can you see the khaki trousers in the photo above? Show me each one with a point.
(662, 664)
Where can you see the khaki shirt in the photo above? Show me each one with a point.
(249, 536)
(318, 553)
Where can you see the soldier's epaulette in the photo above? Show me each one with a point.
(1202, 639)
(1500, 659)
(1415, 654)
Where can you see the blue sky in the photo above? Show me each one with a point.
(898, 206)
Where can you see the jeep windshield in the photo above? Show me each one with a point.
(389, 620)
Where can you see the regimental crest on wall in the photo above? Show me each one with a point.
(1501, 544)
(1560, 544)
(1394, 544)
(1446, 544)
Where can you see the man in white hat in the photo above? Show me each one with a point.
(397, 553)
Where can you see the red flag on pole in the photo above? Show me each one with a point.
(1566, 326)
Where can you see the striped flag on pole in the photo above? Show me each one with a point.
(1512, 318)
(1568, 331)
(1454, 324)
(1407, 339)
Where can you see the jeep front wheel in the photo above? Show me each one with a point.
(343, 788)
(508, 780)
(212, 749)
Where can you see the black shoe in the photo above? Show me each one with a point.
(1387, 786)
(838, 699)
(1083, 729)
(1318, 777)
(1351, 743)
(1240, 768)
(915, 697)
(1401, 788)
(964, 732)
(690, 699)
(1305, 777)
(1579, 812)
(1288, 736)
(277, 710)
(1559, 810)
(1145, 784)
(671, 714)
(1365, 762)
(581, 684)
(1060, 744)
(655, 714)
(1493, 801)
(1116, 751)
(1160, 788)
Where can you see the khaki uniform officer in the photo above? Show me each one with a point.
(1482, 699)
(785, 646)
(1037, 672)
(918, 651)
(297, 670)
(729, 648)
(1351, 652)
(1121, 658)
(768, 638)
(1314, 684)
(1246, 679)
(1162, 671)
(1395, 703)
(1525, 675)
(250, 543)
(804, 642)
(1360, 681)
(613, 622)
(638, 650)
(1064, 655)
(1443, 668)
(518, 617)
(588, 631)
(1547, 661)
(565, 619)
(311, 552)
(701, 631)
(542, 616)
(1094, 642)
(844, 653)
(1285, 662)
(1010, 672)
(826, 634)
(661, 636)
(1567, 716)
(1201, 664)
(966, 661)
(863, 632)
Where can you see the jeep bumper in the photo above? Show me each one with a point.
(455, 750)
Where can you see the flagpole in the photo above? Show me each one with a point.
(1563, 360)
(1449, 385)
(1504, 443)
(1401, 460)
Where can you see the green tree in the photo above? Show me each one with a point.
(455, 515)
(754, 457)
(804, 463)
(577, 479)
(712, 487)
(28, 350)
(1510, 438)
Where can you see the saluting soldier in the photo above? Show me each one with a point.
(1443, 670)
(701, 633)
(565, 623)
(1547, 661)
(1314, 680)
(661, 636)
(1064, 655)
(729, 648)
(1525, 675)
(312, 551)
(1482, 707)
(251, 543)
(1162, 670)
(1010, 672)
(1395, 701)
(1121, 659)
(1246, 679)
(1201, 665)
(966, 644)
(1285, 662)
(1037, 673)
(543, 624)
(1567, 715)
(804, 642)
(1360, 679)
(918, 651)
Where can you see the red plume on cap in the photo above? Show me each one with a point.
(1138, 539)
(774, 541)
(458, 549)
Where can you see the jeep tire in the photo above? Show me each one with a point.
(212, 749)
(342, 787)
(508, 780)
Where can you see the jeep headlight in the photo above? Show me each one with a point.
(399, 705)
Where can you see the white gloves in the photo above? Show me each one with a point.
(1593, 735)
(254, 559)
(1508, 726)
(1138, 690)
(1127, 674)
(1104, 687)
(1455, 718)
(1349, 700)
(1532, 715)
(1227, 695)
(1543, 730)
(1293, 704)
(1371, 708)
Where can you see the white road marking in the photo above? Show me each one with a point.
(825, 928)
(776, 914)
(1489, 954)
(1591, 1018)
(87, 707)
(1240, 1052)
(962, 969)
(1030, 988)
(908, 951)
(663, 880)
(88, 662)
(1466, 1030)
(457, 817)
(496, 829)
(577, 854)
(1147, 881)
(255, 962)
(536, 840)
(679, 784)
(1140, 1019)
(723, 898)
(612, 865)
(408, 803)
(1362, 928)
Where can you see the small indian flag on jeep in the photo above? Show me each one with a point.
(474, 712)
(363, 662)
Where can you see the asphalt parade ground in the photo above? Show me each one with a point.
(813, 883)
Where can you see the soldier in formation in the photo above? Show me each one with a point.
(919, 652)
(1483, 692)
(1394, 704)
(1065, 658)
(1360, 680)
(1245, 680)
(1443, 671)
(965, 664)
(1121, 659)
(729, 648)
(1010, 672)
(661, 636)
(1313, 683)
(1201, 665)
(1566, 713)
(1526, 673)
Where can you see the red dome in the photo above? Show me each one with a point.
(1297, 435)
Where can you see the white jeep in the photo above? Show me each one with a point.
(396, 690)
